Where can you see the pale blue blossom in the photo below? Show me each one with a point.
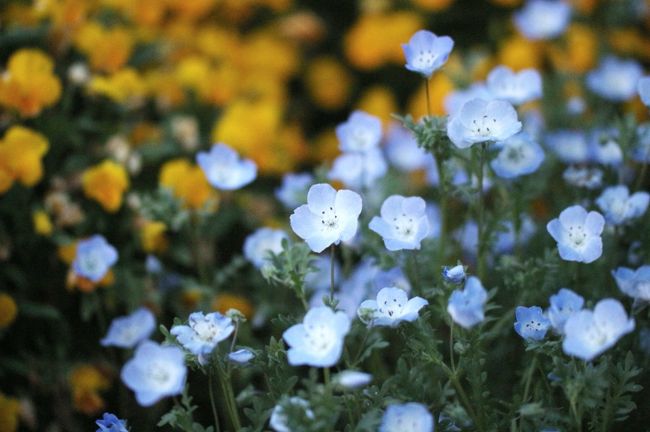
(519, 155)
(318, 279)
(634, 283)
(583, 177)
(615, 79)
(467, 307)
(403, 223)
(542, 19)
(351, 379)
(110, 423)
(570, 146)
(433, 215)
(127, 331)
(155, 372)
(577, 234)
(506, 240)
(588, 334)
(403, 152)
(514, 87)
(203, 333)
(641, 151)
(259, 245)
(426, 52)
(358, 170)
(329, 216)
(408, 417)
(279, 421)
(360, 133)
(604, 148)
(483, 121)
(94, 257)
(455, 100)
(293, 190)
(224, 169)
(643, 87)
(393, 277)
(531, 323)
(241, 356)
(620, 207)
(563, 304)
(455, 275)
(153, 265)
(318, 340)
(391, 308)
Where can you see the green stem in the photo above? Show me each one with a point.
(426, 90)
(529, 375)
(326, 376)
(332, 273)
(480, 213)
(416, 271)
(217, 426)
(451, 347)
(229, 397)
(442, 200)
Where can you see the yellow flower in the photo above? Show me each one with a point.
(225, 301)
(152, 237)
(433, 5)
(190, 10)
(29, 84)
(21, 153)
(108, 49)
(106, 184)
(188, 183)
(325, 147)
(67, 252)
(86, 381)
(265, 51)
(9, 413)
(328, 82)
(124, 86)
(212, 84)
(8, 310)
(578, 53)
(42, 223)
(519, 53)
(378, 101)
(440, 87)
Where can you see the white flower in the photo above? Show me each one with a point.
(258, 245)
(482, 121)
(203, 333)
(514, 87)
(577, 234)
(329, 216)
(352, 379)
(360, 133)
(278, 421)
(127, 331)
(403, 223)
(621, 207)
(224, 169)
(634, 283)
(391, 307)
(409, 417)
(359, 170)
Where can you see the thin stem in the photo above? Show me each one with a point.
(416, 271)
(480, 213)
(332, 273)
(529, 377)
(442, 186)
(426, 90)
(451, 347)
(326, 376)
(213, 404)
(229, 396)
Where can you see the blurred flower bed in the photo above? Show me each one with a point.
(159, 267)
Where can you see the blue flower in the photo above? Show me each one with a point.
(293, 190)
(584, 177)
(110, 423)
(352, 379)
(588, 334)
(403, 223)
(466, 307)
(318, 341)
(393, 277)
(571, 146)
(615, 79)
(359, 170)
(577, 234)
(643, 87)
(241, 356)
(634, 283)
(94, 258)
(641, 151)
(129, 330)
(482, 121)
(279, 421)
(425, 52)
(519, 155)
(203, 333)
(514, 87)
(360, 133)
(454, 275)
(531, 323)
(408, 417)
(403, 152)
(563, 305)
(153, 265)
(604, 148)
(542, 19)
(259, 245)
(391, 308)
(505, 241)
(620, 207)
(455, 100)
(433, 216)
(224, 169)
(154, 372)
(329, 216)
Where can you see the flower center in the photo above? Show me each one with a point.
(206, 331)
(404, 226)
(484, 126)
(426, 58)
(361, 138)
(391, 307)
(320, 338)
(329, 219)
(157, 373)
(577, 235)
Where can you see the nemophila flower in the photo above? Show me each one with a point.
(455, 100)
(634, 283)
(542, 19)
(403, 152)
(155, 372)
(514, 87)
(360, 133)
(570, 146)
(425, 52)
(641, 151)
(519, 155)
(127, 331)
(433, 216)
(563, 304)
(588, 334)
(620, 207)
(615, 79)
(318, 341)
(531, 323)
(408, 417)
(454, 275)
(482, 121)
(466, 307)
(506, 240)
(224, 169)
(358, 170)
(294, 188)
(604, 148)
(643, 87)
(259, 245)
(94, 258)
(279, 421)
(329, 216)
(393, 277)
(403, 223)
(351, 379)
(153, 265)
(391, 308)
(584, 177)
(110, 423)
(577, 234)
(203, 333)
(241, 356)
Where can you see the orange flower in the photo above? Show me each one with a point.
(8, 310)
(519, 53)
(188, 183)
(152, 237)
(108, 49)
(225, 301)
(29, 84)
(106, 184)
(86, 381)
(328, 82)
(378, 101)
(9, 413)
(433, 5)
(579, 51)
(21, 153)
(124, 86)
